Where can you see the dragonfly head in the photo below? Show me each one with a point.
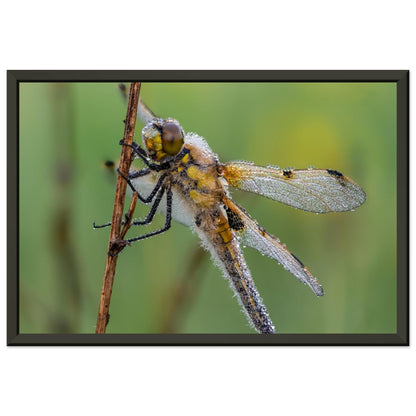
(163, 139)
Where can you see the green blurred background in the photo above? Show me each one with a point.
(164, 284)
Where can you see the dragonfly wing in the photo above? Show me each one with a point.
(314, 190)
(145, 113)
(250, 233)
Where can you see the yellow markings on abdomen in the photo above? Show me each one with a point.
(227, 236)
(222, 227)
(225, 233)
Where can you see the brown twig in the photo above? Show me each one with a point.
(115, 236)
(129, 216)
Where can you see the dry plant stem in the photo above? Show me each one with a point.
(115, 236)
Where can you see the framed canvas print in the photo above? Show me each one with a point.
(208, 207)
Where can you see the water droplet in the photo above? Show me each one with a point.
(273, 166)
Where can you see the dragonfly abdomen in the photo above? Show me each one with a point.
(225, 249)
(237, 271)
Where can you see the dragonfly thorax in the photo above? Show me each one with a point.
(162, 139)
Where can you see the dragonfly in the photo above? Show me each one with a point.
(185, 181)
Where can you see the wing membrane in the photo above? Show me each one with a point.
(314, 190)
(252, 235)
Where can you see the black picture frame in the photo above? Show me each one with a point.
(400, 77)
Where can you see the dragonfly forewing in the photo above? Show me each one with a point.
(314, 190)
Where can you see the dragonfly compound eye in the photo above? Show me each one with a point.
(162, 138)
(172, 137)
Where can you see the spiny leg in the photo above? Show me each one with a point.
(143, 156)
(136, 174)
(152, 212)
(168, 220)
(128, 215)
(149, 216)
(154, 166)
(107, 224)
(123, 243)
(136, 149)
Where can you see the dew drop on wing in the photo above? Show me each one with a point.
(273, 166)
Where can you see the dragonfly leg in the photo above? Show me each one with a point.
(137, 150)
(136, 174)
(107, 224)
(152, 212)
(132, 175)
(143, 156)
(168, 220)
(147, 220)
